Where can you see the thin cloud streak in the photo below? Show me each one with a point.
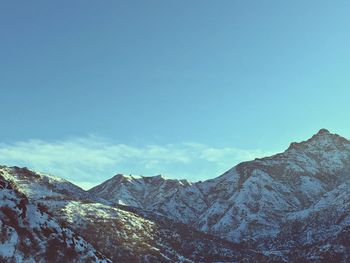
(90, 160)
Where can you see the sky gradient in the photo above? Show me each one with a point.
(239, 78)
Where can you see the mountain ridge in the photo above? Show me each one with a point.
(136, 235)
(290, 207)
(297, 177)
(293, 145)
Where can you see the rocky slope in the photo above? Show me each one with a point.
(178, 199)
(30, 234)
(123, 234)
(259, 201)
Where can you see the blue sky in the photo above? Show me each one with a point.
(117, 85)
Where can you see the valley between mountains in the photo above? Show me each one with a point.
(290, 207)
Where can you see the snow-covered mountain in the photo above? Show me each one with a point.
(290, 207)
(178, 199)
(256, 201)
(30, 234)
(123, 234)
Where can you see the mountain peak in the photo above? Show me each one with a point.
(324, 134)
(323, 131)
(323, 139)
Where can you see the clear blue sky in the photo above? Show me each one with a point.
(242, 74)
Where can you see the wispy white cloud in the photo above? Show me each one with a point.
(90, 160)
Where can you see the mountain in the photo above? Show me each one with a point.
(177, 199)
(30, 234)
(291, 207)
(121, 233)
(257, 202)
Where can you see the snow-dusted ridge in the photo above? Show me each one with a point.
(255, 200)
(289, 207)
(30, 234)
(123, 234)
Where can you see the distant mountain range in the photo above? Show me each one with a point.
(290, 207)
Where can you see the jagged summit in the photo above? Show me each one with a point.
(141, 178)
(137, 190)
(322, 140)
(323, 131)
(120, 177)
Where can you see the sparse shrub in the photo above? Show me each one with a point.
(25, 246)
(2, 183)
(69, 255)
(47, 231)
(43, 208)
(53, 249)
(62, 223)
(11, 215)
